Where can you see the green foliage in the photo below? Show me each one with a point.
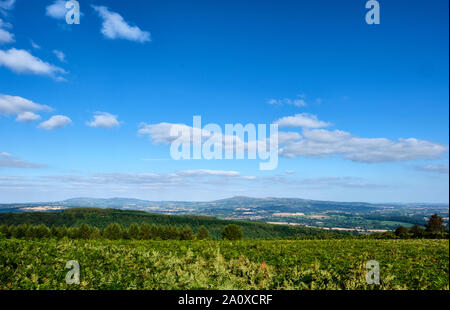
(101, 218)
(134, 231)
(205, 264)
(417, 232)
(402, 232)
(232, 232)
(186, 234)
(435, 224)
(145, 231)
(202, 233)
(113, 232)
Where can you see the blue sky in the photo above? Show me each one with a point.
(74, 97)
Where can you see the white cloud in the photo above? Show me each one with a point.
(21, 61)
(115, 27)
(56, 122)
(21, 107)
(60, 55)
(160, 133)
(104, 120)
(302, 120)
(286, 137)
(286, 101)
(27, 117)
(321, 142)
(434, 168)
(314, 142)
(35, 45)
(57, 9)
(9, 161)
(5, 35)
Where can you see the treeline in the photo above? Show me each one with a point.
(112, 231)
(101, 218)
(434, 229)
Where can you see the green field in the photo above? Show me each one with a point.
(247, 264)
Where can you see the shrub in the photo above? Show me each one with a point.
(113, 231)
(232, 232)
(202, 233)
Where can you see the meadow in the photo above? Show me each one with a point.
(211, 264)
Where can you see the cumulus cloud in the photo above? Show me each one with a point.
(115, 27)
(313, 141)
(21, 61)
(27, 117)
(160, 133)
(321, 142)
(104, 120)
(23, 108)
(60, 55)
(304, 120)
(57, 9)
(434, 168)
(5, 35)
(56, 122)
(9, 161)
(166, 133)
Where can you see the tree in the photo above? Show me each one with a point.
(42, 231)
(417, 231)
(401, 232)
(84, 232)
(5, 231)
(113, 231)
(187, 234)
(133, 231)
(19, 231)
(202, 233)
(146, 231)
(232, 232)
(62, 232)
(435, 224)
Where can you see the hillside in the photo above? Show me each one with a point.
(102, 217)
(363, 216)
(246, 264)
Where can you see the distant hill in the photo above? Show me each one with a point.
(361, 216)
(103, 217)
(237, 201)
